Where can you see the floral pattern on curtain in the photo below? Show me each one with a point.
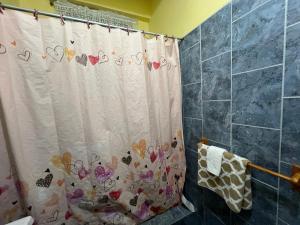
(91, 123)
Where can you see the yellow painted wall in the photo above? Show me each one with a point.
(138, 9)
(172, 17)
(179, 17)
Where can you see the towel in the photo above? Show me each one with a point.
(234, 182)
(214, 159)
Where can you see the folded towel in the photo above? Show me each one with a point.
(214, 159)
(234, 182)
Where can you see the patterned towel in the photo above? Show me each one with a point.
(234, 182)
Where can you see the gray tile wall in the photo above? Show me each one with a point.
(241, 90)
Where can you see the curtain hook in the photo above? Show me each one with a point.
(88, 24)
(1, 8)
(167, 38)
(62, 20)
(109, 28)
(143, 32)
(156, 36)
(36, 14)
(127, 31)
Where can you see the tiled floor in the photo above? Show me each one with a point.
(172, 216)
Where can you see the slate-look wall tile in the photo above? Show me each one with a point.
(289, 210)
(257, 42)
(216, 33)
(292, 60)
(192, 100)
(260, 146)
(190, 65)
(191, 190)
(293, 15)
(216, 121)
(290, 150)
(190, 39)
(264, 208)
(216, 77)
(241, 7)
(258, 38)
(211, 219)
(192, 165)
(192, 132)
(256, 97)
(217, 205)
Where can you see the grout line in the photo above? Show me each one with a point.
(281, 107)
(287, 97)
(286, 163)
(202, 124)
(282, 221)
(192, 83)
(223, 53)
(294, 24)
(230, 141)
(246, 125)
(217, 142)
(248, 71)
(241, 218)
(192, 118)
(252, 10)
(217, 100)
(215, 215)
(190, 47)
(266, 184)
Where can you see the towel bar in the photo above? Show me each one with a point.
(294, 179)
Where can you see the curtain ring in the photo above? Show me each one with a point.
(88, 24)
(167, 38)
(156, 36)
(62, 20)
(1, 8)
(36, 14)
(127, 31)
(109, 28)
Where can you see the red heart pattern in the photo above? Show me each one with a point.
(156, 65)
(94, 59)
(115, 195)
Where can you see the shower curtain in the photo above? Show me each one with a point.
(91, 127)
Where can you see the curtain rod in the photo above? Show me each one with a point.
(4, 6)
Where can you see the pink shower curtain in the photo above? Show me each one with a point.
(91, 127)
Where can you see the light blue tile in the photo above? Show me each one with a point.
(293, 15)
(216, 33)
(260, 146)
(258, 38)
(192, 101)
(292, 71)
(264, 208)
(216, 117)
(190, 39)
(193, 219)
(289, 200)
(216, 76)
(256, 97)
(290, 150)
(241, 7)
(192, 132)
(190, 65)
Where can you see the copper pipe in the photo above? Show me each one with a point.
(294, 179)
